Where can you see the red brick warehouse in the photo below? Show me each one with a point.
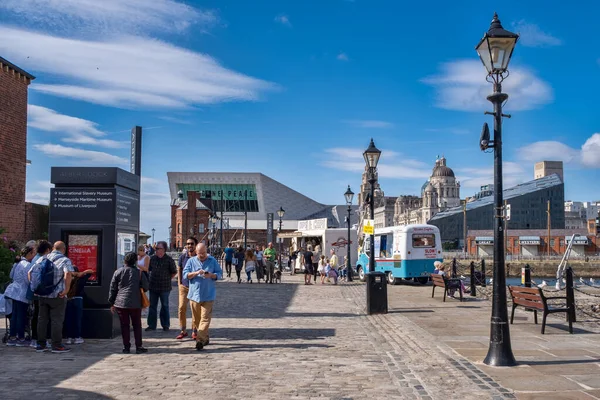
(13, 149)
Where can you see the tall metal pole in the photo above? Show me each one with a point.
(222, 203)
(465, 229)
(549, 227)
(372, 181)
(348, 255)
(280, 239)
(506, 231)
(500, 350)
(245, 221)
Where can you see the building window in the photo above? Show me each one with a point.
(551, 242)
(201, 228)
(178, 228)
(562, 242)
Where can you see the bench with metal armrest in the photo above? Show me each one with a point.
(446, 284)
(534, 299)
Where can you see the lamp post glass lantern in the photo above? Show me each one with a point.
(153, 230)
(349, 195)
(495, 50)
(280, 213)
(371, 156)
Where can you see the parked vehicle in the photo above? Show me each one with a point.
(403, 252)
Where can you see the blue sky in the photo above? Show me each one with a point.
(295, 90)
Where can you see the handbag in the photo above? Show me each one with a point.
(145, 302)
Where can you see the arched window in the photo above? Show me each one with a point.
(179, 228)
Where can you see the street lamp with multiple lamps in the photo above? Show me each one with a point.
(153, 230)
(495, 50)
(371, 156)
(349, 195)
(280, 213)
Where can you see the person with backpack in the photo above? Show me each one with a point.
(50, 282)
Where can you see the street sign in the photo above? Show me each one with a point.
(369, 227)
(507, 212)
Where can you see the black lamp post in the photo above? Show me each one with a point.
(371, 156)
(280, 213)
(495, 50)
(153, 230)
(170, 240)
(349, 195)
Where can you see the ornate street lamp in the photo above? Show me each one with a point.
(280, 213)
(153, 230)
(349, 195)
(495, 50)
(371, 156)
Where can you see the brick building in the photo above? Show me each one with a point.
(189, 218)
(534, 242)
(13, 149)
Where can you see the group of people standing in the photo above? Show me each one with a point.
(43, 276)
(257, 260)
(316, 264)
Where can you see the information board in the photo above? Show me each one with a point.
(82, 205)
(82, 250)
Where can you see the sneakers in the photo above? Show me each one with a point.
(148, 329)
(182, 335)
(41, 349)
(78, 341)
(194, 335)
(11, 342)
(60, 349)
(126, 350)
(22, 343)
(33, 344)
(166, 329)
(68, 341)
(141, 350)
(48, 343)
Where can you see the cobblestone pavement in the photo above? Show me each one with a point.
(267, 342)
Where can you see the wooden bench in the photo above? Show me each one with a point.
(443, 282)
(534, 299)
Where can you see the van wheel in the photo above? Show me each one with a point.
(422, 280)
(391, 280)
(361, 273)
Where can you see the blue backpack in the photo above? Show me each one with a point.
(45, 285)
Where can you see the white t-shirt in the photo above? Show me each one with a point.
(259, 255)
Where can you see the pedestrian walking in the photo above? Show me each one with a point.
(321, 268)
(22, 296)
(315, 262)
(125, 297)
(202, 272)
(249, 264)
(260, 265)
(307, 257)
(51, 278)
(183, 284)
(269, 256)
(162, 270)
(239, 263)
(229, 252)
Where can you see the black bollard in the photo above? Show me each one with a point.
(454, 267)
(526, 276)
(570, 295)
(473, 282)
(483, 272)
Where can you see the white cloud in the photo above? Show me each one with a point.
(45, 184)
(109, 16)
(127, 71)
(343, 57)
(530, 35)
(461, 86)
(90, 157)
(588, 156)
(283, 20)
(38, 197)
(366, 123)
(390, 166)
(513, 173)
(73, 129)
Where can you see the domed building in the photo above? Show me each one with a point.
(439, 192)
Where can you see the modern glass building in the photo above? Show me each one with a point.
(528, 202)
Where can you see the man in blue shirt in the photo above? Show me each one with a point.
(229, 251)
(202, 272)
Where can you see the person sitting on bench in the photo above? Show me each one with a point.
(453, 284)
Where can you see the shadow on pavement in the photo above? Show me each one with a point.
(270, 333)
(316, 314)
(262, 301)
(559, 362)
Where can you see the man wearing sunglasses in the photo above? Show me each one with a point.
(162, 270)
(190, 247)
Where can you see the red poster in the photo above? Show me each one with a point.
(83, 252)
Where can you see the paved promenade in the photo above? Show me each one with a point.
(304, 342)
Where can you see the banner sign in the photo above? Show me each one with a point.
(269, 227)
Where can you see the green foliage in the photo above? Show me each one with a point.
(7, 258)
(448, 246)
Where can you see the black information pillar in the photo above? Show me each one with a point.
(95, 211)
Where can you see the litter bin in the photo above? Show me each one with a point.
(377, 302)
